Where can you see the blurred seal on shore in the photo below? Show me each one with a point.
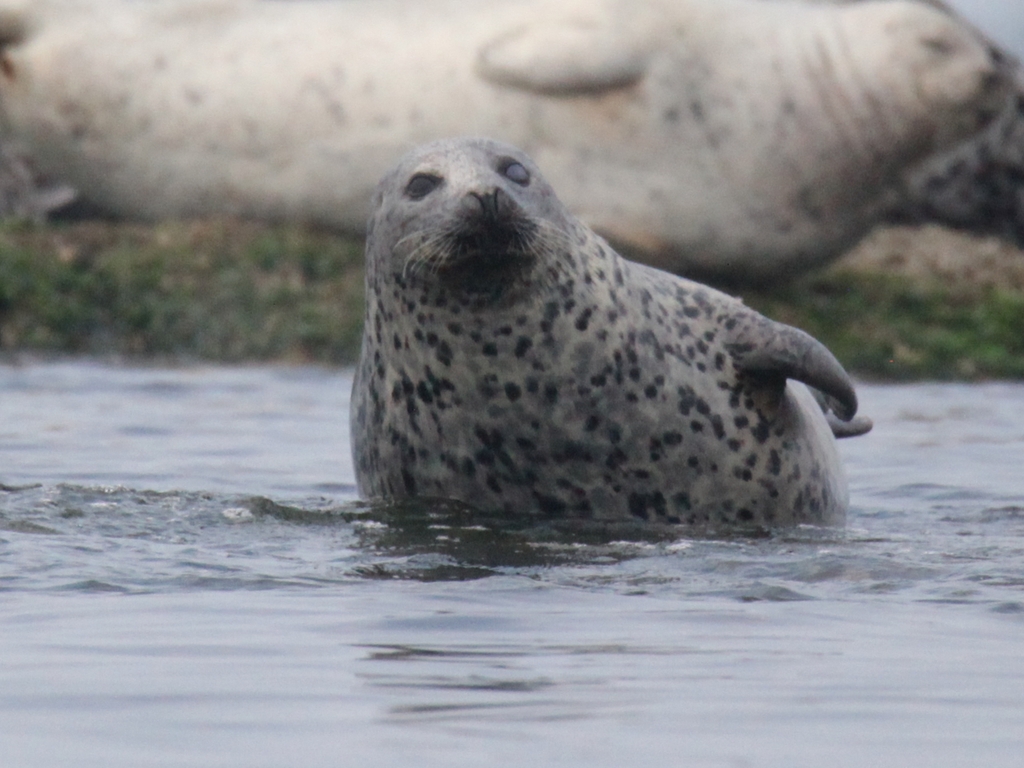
(741, 140)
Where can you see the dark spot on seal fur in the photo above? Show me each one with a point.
(408, 481)
(584, 319)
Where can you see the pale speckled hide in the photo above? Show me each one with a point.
(720, 137)
(586, 386)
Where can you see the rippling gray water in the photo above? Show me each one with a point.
(186, 581)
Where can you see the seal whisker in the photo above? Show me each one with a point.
(551, 244)
(429, 251)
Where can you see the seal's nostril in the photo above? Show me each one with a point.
(493, 204)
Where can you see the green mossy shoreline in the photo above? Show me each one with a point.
(896, 329)
(212, 290)
(227, 290)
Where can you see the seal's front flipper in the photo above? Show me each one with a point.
(855, 427)
(565, 56)
(770, 351)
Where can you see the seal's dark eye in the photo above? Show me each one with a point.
(516, 172)
(421, 185)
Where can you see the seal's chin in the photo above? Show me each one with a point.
(490, 259)
(491, 274)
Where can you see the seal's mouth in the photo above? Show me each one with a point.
(489, 256)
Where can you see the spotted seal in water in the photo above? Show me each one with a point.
(512, 360)
(739, 139)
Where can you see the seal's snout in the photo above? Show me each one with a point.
(492, 224)
(494, 206)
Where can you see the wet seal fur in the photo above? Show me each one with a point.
(513, 361)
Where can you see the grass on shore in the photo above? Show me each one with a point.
(243, 291)
(217, 290)
(894, 328)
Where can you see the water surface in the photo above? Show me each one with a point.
(186, 581)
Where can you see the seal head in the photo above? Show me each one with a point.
(513, 361)
(467, 218)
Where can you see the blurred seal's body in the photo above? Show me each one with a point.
(739, 138)
(512, 360)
